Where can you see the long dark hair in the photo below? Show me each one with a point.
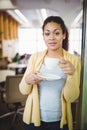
(59, 21)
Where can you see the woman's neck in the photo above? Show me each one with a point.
(55, 54)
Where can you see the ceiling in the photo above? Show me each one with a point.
(32, 10)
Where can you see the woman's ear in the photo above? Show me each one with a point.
(64, 36)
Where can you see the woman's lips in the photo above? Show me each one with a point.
(52, 43)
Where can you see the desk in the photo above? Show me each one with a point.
(16, 66)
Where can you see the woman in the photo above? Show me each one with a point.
(48, 106)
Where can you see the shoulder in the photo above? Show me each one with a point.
(39, 54)
(68, 55)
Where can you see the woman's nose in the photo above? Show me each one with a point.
(51, 36)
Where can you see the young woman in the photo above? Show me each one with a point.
(48, 106)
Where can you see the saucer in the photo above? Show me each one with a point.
(49, 76)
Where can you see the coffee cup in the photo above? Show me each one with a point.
(51, 63)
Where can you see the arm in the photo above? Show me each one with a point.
(71, 90)
(30, 77)
(24, 87)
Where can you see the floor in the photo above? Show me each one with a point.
(5, 123)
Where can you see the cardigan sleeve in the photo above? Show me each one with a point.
(71, 90)
(33, 65)
(23, 86)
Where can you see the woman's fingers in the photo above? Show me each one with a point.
(33, 77)
(67, 66)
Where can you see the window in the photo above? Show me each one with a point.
(30, 40)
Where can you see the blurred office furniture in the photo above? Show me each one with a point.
(13, 97)
(75, 107)
(17, 66)
(3, 74)
(3, 64)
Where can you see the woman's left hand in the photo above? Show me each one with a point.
(67, 66)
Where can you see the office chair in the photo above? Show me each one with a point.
(13, 97)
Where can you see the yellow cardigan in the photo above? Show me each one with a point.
(69, 94)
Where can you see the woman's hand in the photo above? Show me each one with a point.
(67, 66)
(33, 78)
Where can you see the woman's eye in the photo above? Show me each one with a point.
(56, 33)
(47, 34)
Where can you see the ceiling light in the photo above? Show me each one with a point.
(6, 4)
(78, 18)
(15, 16)
(44, 14)
(22, 17)
(39, 16)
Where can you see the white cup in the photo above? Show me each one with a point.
(51, 63)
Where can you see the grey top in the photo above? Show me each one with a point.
(50, 95)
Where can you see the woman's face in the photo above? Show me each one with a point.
(53, 36)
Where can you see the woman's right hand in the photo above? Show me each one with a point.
(33, 78)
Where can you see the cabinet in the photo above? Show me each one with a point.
(8, 29)
(1, 32)
(0, 48)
